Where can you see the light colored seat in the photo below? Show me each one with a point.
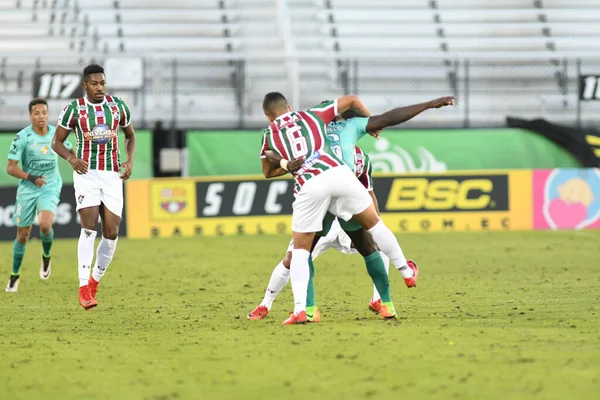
(169, 44)
(358, 4)
(165, 30)
(384, 44)
(25, 45)
(570, 4)
(367, 16)
(408, 30)
(476, 30)
(484, 4)
(488, 44)
(8, 32)
(573, 15)
(578, 29)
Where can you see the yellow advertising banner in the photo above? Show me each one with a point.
(220, 206)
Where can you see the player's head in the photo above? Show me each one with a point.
(274, 105)
(38, 112)
(94, 83)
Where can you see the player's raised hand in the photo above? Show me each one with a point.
(442, 102)
(127, 168)
(376, 134)
(41, 181)
(79, 166)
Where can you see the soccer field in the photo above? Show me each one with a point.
(495, 316)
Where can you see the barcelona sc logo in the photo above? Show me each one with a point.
(173, 206)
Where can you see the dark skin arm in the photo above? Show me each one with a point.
(403, 114)
(127, 166)
(271, 165)
(13, 169)
(59, 147)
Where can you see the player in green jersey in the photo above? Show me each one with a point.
(96, 120)
(39, 189)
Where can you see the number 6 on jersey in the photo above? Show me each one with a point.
(297, 141)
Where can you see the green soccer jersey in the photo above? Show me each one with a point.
(36, 156)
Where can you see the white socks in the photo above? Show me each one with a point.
(279, 278)
(85, 255)
(104, 255)
(386, 262)
(299, 273)
(389, 245)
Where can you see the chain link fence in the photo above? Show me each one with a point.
(226, 93)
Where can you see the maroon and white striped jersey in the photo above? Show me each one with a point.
(96, 128)
(304, 134)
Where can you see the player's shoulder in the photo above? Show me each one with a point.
(24, 133)
(114, 100)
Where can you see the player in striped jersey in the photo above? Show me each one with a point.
(96, 120)
(325, 184)
(332, 236)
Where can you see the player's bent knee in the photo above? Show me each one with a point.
(368, 218)
(23, 234)
(111, 233)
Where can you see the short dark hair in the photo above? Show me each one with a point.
(92, 69)
(35, 102)
(274, 100)
(349, 114)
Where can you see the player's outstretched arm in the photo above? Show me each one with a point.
(59, 147)
(130, 148)
(403, 114)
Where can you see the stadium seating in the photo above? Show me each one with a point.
(230, 52)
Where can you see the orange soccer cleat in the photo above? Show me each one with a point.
(299, 318)
(85, 299)
(259, 312)
(93, 284)
(412, 281)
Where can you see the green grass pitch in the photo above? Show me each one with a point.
(495, 316)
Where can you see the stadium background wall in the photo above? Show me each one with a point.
(221, 206)
(214, 153)
(66, 220)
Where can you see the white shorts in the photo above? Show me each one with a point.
(335, 239)
(336, 190)
(96, 187)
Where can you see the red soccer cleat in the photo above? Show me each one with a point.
(259, 312)
(375, 306)
(93, 284)
(85, 299)
(299, 318)
(412, 281)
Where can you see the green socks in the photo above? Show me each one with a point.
(18, 253)
(376, 270)
(310, 293)
(47, 242)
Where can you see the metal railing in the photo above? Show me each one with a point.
(225, 92)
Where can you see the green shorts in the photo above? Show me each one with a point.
(347, 226)
(29, 205)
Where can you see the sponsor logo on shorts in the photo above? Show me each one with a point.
(80, 198)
